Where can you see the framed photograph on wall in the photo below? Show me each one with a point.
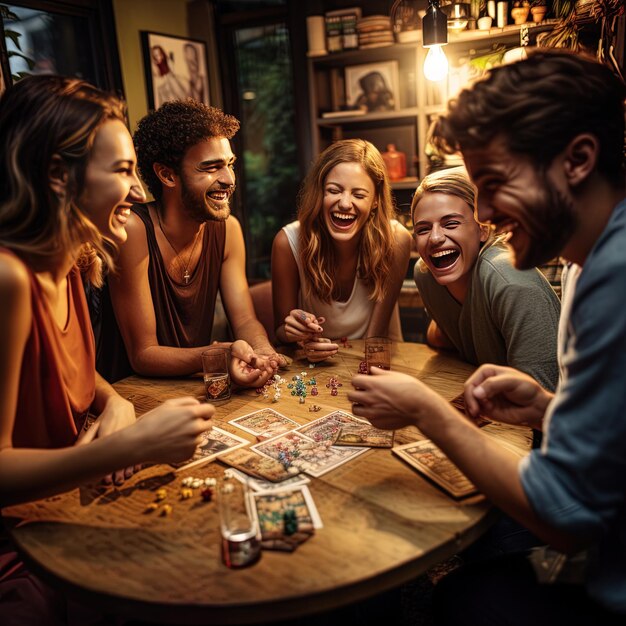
(175, 68)
(373, 86)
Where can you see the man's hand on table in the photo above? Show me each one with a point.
(506, 395)
(249, 368)
(391, 400)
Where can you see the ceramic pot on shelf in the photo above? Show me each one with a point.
(520, 14)
(395, 162)
(539, 13)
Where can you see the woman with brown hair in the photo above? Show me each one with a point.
(68, 182)
(342, 262)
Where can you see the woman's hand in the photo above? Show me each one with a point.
(118, 413)
(172, 432)
(506, 395)
(318, 349)
(303, 326)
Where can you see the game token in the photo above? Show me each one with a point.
(161, 494)
(290, 522)
(166, 510)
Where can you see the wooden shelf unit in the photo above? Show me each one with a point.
(418, 100)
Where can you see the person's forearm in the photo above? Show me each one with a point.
(281, 335)
(104, 394)
(27, 474)
(493, 469)
(167, 361)
(253, 332)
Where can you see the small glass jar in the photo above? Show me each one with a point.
(241, 540)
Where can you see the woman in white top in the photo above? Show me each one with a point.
(338, 270)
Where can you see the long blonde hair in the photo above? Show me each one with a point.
(41, 117)
(316, 245)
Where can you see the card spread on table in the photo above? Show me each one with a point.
(327, 428)
(364, 435)
(313, 457)
(259, 466)
(428, 459)
(214, 443)
(259, 484)
(264, 423)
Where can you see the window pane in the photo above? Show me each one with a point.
(49, 43)
(271, 174)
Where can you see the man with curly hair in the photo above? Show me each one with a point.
(183, 247)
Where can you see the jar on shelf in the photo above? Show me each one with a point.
(405, 20)
(395, 161)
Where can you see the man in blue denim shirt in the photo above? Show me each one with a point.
(543, 140)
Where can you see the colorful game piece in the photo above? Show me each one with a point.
(290, 522)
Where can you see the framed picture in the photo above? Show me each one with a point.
(373, 87)
(175, 68)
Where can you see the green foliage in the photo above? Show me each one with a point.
(14, 36)
(271, 170)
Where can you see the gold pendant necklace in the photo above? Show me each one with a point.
(186, 274)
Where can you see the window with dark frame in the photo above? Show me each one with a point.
(76, 38)
(258, 75)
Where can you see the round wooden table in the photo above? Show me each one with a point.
(384, 523)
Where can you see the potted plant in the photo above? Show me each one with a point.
(520, 11)
(538, 9)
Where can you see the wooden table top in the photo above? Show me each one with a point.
(384, 523)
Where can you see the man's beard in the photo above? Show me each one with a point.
(554, 223)
(200, 208)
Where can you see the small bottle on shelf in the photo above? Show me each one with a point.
(395, 162)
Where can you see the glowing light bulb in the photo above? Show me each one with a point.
(436, 64)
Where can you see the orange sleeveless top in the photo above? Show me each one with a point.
(58, 374)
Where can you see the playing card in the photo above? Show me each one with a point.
(270, 508)
(259, 466)
(285, 518)
(264, 423)
(428, 459)
(259, 484)
(313, 457)
(327, 428)
(459, 403)
(364, 435)
(214, 443)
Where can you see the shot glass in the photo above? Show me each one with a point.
(241, 539)
(378, 353)
(215, 362)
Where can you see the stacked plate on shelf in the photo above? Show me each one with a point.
(374, 31)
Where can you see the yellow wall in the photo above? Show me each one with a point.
(132, 16)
